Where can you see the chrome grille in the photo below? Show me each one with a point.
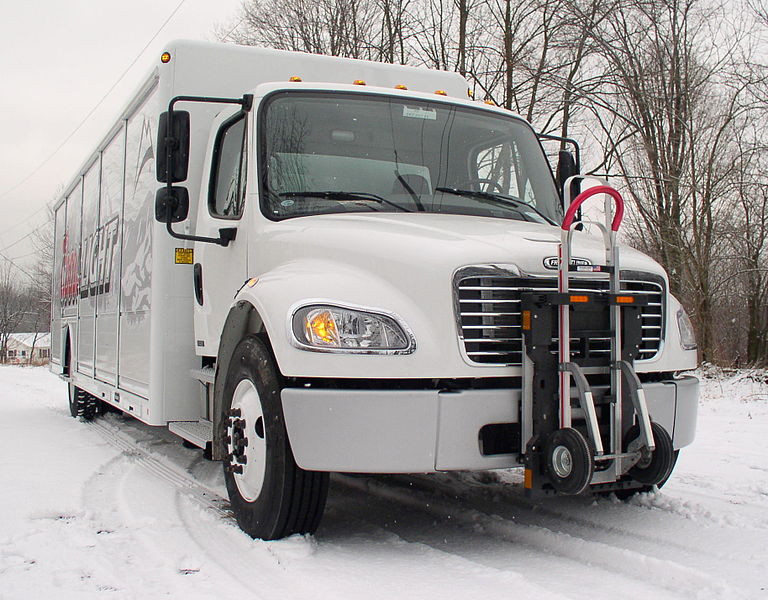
(489, 314)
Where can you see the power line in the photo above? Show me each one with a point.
(231, 31)
(21, 239)
(93, 110)
(20, 268)
(25, 219)
(46, 223)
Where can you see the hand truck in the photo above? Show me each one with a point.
(572, 437)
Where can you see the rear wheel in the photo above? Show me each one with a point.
(82, 404)
(271, 496)
(654, 467)
(630, 493)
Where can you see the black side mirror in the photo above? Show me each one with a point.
(177, 143)
(567, 167)
(173, 201)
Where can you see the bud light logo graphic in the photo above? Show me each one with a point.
(97, 260)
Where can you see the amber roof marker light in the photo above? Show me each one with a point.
(165, 57)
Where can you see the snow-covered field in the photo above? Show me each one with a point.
(116, 509)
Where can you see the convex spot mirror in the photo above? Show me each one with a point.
(173, 201)
(177, 143)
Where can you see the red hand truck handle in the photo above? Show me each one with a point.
(579, 200)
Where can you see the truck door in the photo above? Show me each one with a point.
(219, 271)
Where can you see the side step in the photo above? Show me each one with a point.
(199, 433)
(204, 375)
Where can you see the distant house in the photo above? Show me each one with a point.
(20, 348)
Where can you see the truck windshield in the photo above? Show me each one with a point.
(335, 153)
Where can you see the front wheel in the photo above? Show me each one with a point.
(570, 461)
(271, 496)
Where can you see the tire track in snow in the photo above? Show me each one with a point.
(507, 501)
(253, 564)
(682, 580)
(343, 522)
(120, 547)
(545, 573)
(182, 480)
(258, 565)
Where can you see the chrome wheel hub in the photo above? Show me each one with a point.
(246, 441)
(562, 462)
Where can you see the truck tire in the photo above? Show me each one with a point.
(271, 496)
(82, 404)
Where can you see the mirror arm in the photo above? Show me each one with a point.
(226, 235)
(567, 140)
(246, 102)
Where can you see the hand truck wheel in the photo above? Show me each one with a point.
(656, 466)
(570, 461)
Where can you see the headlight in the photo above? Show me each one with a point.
(687, 335)
(336, 329)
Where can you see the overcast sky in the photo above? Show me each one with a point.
(57, 60)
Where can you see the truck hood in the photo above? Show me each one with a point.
(434, 242)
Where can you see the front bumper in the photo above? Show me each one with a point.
(422, 431)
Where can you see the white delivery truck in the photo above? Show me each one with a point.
(306, 264)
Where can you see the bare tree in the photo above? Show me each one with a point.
(13, 305)
(671, 111)
(334, 27)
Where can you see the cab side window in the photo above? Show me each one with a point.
(500, 168)
(227, 190)
(495, 169)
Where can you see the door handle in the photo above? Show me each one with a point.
(198, 278)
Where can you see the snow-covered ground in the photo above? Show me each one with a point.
(116, 509)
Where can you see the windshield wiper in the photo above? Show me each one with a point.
(494, 198)
(342, 196)
(410, 191)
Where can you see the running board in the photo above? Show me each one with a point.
(199, 433)
(204, 375)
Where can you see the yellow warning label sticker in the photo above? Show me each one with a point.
(185, 256)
